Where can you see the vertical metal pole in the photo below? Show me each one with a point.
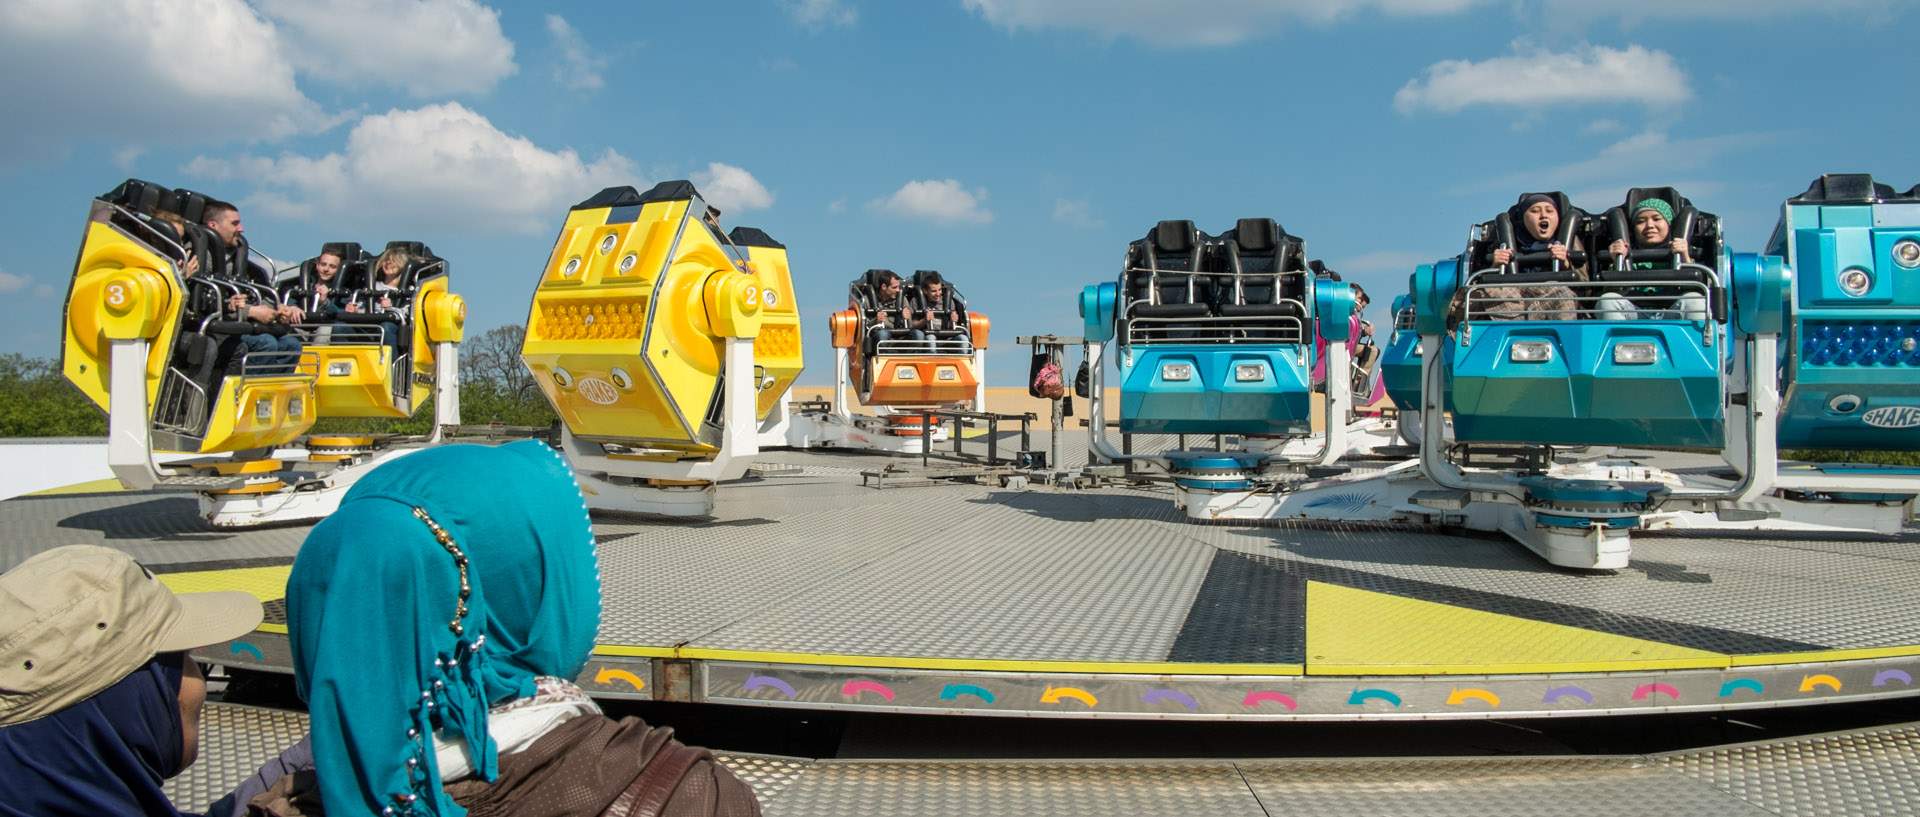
(926, 439)
(993, 439)
(1053, 444)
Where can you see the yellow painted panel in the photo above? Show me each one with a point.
(98, 486)
(265, 583)
(1863, 654)
(235, 424)
(1358, 632)
(107, 260)
(364, 391)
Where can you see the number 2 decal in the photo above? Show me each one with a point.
(753, 296)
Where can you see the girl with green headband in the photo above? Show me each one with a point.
(1651, 226)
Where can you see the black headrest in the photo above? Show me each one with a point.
(1173, 236)
(1572, 219)
(136, 195)
(611, 197)
(1258, 235)
(349, 251)
(1844, 188)
(415, 249)
(1669, 195)
(753, 237)
(192, 206)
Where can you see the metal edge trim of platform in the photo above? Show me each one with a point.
(1219, 697)
(1190, 695)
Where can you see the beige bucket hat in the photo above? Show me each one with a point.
(75, 620)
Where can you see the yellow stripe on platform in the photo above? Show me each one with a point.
(98, 486)
(265, 583)
(1359, 632)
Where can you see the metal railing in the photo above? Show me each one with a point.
(1212, 329)
(1568, 300)
(950, 347)
(182, 405)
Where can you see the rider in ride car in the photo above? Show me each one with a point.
(889, 314)
(224, 220)
(1539, 220)
(1651, 226)
(937, 312)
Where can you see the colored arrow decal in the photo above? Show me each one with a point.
(1155, 696)
(1807, 684)
(1361, 696)
(1461, 696)
(1054, 694)
(854, 688)
(1890, 674)
(239, 647)
(607, 675)
(1642, 693)
(1729, 687)
(952, 692)
(757, 681)
(1259, 697)
(1557, 693)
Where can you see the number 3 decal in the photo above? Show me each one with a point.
(116, 294)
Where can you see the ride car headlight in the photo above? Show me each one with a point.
(1249, 372)
(905, 373)
(1906, 253)
(1176, 371)
(339, 368)
(1419, 351)
(1638, 351)
(1530, 351)
(946, 373)
(1856, 281)
(296, 407)
(263, 409)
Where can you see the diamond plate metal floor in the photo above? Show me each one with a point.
(1865, 772)
(808, 589)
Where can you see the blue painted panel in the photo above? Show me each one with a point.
(1213, 402)
(1582, 397)
(1400, 371)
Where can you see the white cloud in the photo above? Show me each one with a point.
(1543, 78)
(942, 202)
(732, 189)
(1631, 12)
(45, 291)
(1644, 157)
(578, 68)
(438, 168)
(1192, 23)
(1601, 126)
(1075, 213)
(184, 71)
(820, 14)
(838, 205)
(428, 47)
(10, 282)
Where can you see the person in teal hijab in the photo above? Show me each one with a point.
(445, 583)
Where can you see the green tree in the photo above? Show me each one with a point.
(37, 401)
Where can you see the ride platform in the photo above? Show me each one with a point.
(811, 591)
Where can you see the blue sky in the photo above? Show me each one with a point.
(1015, 145)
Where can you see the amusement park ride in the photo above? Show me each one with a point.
(665, 345)
(939, 369)
(1824, 318)
(668, 347)
(151, 337)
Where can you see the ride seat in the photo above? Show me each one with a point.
(1162, 280)
(1261, 247)
(955, 302)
